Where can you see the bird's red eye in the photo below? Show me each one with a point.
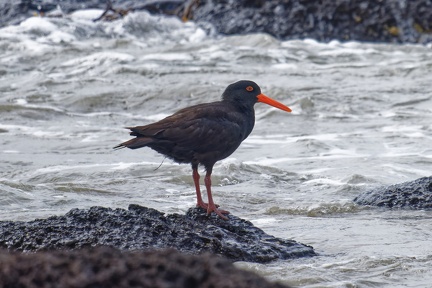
(249, 88)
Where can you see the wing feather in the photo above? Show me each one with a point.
(205, 131)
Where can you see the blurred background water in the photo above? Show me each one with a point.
(362, 118)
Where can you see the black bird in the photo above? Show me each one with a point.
(205, 133)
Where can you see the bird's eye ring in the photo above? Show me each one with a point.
(249, 88)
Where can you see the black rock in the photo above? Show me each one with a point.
(14, 12)
(141, 228)
(109, 267)
(399, 21)
(415, 194)
(373, 21)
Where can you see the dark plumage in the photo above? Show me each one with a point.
(204, 133)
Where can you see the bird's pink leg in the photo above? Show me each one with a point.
(211, 206)
(196, 177)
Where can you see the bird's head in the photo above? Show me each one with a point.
(246, 93)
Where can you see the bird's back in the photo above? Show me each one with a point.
(203, 133)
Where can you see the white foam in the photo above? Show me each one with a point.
(91, 138)
(125, 166)
(33, 48)
(32, 131)
(388, 114)
(21, 101)
(285, 66)
(38, 24)
(60, 37)
(98, 58)
(406, 170)
(402, 128)
(47, 134)
(24, 103)
(198, 36)
(349, 51)
(263, 221)
(168, 57)
(111, 166)
(415, 135)
(325, 181)
(11, 151)
(87, 14)
(59, 168)
(257, 140)
(156, 117)
(331, 155)
(284, 139)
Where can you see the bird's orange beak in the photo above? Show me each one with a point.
(264, 99)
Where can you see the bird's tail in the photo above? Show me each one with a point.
(135, 143)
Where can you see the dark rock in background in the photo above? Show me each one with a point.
(415, 194)
(397, 21)
(374, 21)
(109, 267)
(140, 228)
(13, 12)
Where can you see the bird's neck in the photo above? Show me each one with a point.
(242, 107)
(247, 116)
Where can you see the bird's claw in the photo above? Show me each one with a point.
(213, 208)
(218, 212)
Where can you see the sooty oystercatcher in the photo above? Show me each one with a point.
(205, 133)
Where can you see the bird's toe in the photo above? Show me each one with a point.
(219, 212)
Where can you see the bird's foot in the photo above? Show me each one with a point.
(219, 212)
(213, 208)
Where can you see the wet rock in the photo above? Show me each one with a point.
(415, 194)
(141, 228)
(374, 21)
(367, 20)
(109, 267)
(14, 12)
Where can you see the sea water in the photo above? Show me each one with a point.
(362, 118)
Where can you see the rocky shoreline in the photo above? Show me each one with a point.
(344, 20)
(140, 228)
(110, 267)
(138, 247)
(142, 247)
(415, 194)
